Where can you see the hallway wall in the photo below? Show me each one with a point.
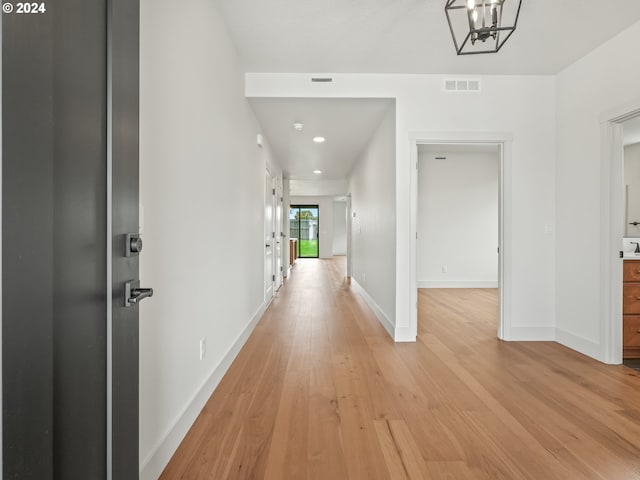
(339, 228)
(373, 230)
(202, 182)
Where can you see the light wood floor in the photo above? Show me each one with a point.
(321, 392)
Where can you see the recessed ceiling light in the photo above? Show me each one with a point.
(319, 139)
(317, 172)
(298, 126)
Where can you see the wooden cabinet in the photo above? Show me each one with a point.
(631, 309)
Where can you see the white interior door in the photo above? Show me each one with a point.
(279, 229)
(269, 237)
(349, 233)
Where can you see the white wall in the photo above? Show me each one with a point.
(525, 107)
(325, 205)
(319, 188)
(202, 181)
(599, 82)
(339, 244)
(458, 218)
(632, 181)
(372, 186)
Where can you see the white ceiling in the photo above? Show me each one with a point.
(412, 36)
(390, 36)
(347, 125)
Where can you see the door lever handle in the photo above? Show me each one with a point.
(133, 293)
(138, 294)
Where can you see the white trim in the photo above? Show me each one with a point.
(457, 284)
(375, 308)
(611, 234)
(158, 458)
(413, 236)
(404, 335)
(579, 344)
(532, 334)
(504, 140)
(349, 235)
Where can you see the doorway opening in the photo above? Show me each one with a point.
(631, 244)
(620, 312)
(462, 243)
(458, 229)
(304, 225)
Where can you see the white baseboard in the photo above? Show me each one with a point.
(532, 334)
(153, 465)
(404, 334)
(375, 308)
(579, 344)
(456, 284)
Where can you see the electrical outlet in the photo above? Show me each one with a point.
(445, 269)
(203, 347)
(364, 277)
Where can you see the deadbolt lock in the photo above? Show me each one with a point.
(133, 244)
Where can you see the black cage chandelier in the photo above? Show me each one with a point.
(481, 26)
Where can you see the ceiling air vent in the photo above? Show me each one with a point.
(461, 85)
(322, 79)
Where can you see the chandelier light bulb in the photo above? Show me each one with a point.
(481, 26)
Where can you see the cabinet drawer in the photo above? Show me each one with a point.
(631, 298)
(631, 331)
(631, 270)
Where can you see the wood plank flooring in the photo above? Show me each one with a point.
(320, 391)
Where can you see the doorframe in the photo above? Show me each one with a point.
(612, 228)
(349, 225)
(504, 140)
(279, 231)
(268, 298)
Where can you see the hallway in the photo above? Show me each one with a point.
(320, 391)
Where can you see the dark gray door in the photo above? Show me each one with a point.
(27, 246)
(64, 83)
